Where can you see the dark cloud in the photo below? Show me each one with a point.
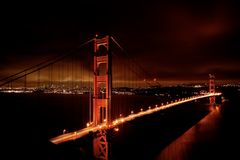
(172, 40)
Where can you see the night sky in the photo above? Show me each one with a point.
(172, 40)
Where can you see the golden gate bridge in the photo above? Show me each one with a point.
(100, 74)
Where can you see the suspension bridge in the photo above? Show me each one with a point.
(100, 74)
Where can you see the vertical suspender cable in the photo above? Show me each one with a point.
(25, 82)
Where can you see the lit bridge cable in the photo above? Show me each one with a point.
(135, 62)
(41, 65)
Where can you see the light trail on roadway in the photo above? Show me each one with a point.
(83, 132)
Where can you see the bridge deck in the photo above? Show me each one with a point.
(82, 132)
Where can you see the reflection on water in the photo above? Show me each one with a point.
(201, 133)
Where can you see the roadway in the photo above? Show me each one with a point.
(83, 132)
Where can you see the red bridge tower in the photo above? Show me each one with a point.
(102, 94)
(212, 88)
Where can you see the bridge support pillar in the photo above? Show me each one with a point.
(100, 145)
(102, 88)
(211, 88)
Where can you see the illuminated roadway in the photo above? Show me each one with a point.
(82, 132)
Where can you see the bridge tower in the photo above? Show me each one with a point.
(102, 94)
(212, 88)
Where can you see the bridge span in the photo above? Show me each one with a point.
(83, 132)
